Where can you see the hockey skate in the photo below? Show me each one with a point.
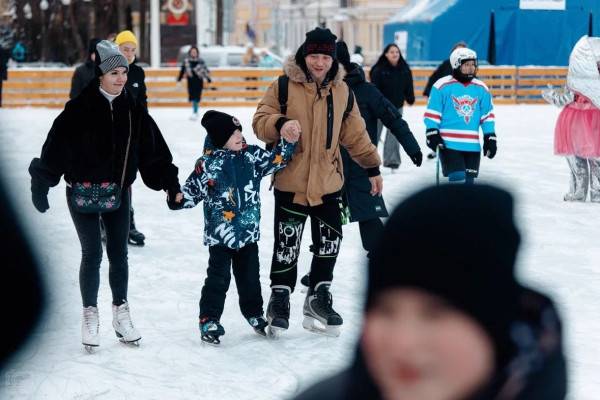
(319, 316)
(90, 325)
(259, 324)
(278, 310)
(210, 331)
(124, 328)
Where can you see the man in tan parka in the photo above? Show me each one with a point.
(312, 182)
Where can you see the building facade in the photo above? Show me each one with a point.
(282, 24)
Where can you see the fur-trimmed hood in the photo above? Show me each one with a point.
(297, 74)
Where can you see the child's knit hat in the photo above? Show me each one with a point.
(220, 126)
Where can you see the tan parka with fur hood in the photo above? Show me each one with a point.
(316, 167)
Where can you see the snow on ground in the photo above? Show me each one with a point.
(560, 255)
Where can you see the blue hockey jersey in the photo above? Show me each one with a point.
(458, 110)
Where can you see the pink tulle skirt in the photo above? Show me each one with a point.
(578, 129)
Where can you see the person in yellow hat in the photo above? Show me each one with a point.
(135, 86)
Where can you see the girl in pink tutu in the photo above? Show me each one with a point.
(577, 132)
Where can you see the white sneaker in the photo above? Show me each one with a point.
(89, 327)
(123, 326)
(194, 116)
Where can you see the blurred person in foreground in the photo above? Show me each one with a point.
(454, 325)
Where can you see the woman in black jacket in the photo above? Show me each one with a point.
(103, 136)
(445, 322)
(196, 71)
(393, 77)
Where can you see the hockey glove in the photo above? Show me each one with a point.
(39, 196)
(489, 145)
(417, 158)
(434, 139)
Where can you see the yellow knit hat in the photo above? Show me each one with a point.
(124, 37)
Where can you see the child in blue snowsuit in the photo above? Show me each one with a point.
(459, 104)
(227, 177)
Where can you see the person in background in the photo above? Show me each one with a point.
(196, 71)
(459, 107)
(357, 57)
(86, 72)
(136, 87)
(393, 77)
(136, 78)
(250, 58)
(444, 69)
(4, 56)
(577, 131)
(454, 325)
(266, 60)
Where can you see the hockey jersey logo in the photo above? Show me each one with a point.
(464, 106)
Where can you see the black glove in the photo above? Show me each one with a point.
(39, 196)
(434, 139)
(173, 205)
(489, 145)
(417, 158)
(172, 194)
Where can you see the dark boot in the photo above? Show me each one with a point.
(136, 237)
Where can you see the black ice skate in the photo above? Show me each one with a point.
(136, 238)
(210, 331)
(278, 310)
(319, 315)
(259, 324)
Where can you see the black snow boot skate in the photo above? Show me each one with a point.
(136, 238)
(319, 315)
(211, 330)
(278, 310)
(259, 324)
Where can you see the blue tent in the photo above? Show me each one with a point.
(499, 30)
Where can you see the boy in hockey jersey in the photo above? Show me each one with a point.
(227, 177)
(459, 104)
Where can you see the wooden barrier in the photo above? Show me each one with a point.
(244, 87)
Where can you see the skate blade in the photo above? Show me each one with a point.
(135, 342)
(211, 341)
(313, 325)
(90, 348)
(275, 332)
(261, 332)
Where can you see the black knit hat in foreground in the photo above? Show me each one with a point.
(220, 126)
(319, 41)
(458, 242)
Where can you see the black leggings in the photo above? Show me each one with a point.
(88, 231)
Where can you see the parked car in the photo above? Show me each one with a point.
(225, 56)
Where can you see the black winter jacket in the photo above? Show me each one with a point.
(373, 106)
(82, 77)
(396, 83)
(88, 140)
(136, 83)
(537, 370)
(442, 70)
(195, 70)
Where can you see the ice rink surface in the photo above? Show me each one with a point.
(560, 256)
